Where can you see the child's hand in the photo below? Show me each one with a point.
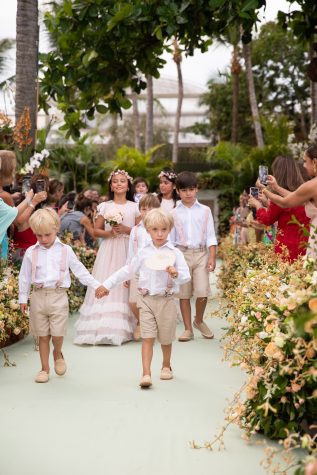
(24, 308)
(126, 284)
(101, 292)
(211, 265)
(172, 271)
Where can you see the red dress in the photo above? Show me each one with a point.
(22, 240)
(288, 235)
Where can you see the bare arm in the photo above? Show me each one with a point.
(85, 221)
(304, 193)
(99, 230)
(275, 186)
(25, 215)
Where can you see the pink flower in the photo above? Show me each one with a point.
(311, 468)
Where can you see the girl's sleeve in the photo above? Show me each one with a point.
(101, 209)
(270, 215)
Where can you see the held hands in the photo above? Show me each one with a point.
(172, 271)
(119, 229)
(101, 292)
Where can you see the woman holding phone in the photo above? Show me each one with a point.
(290, 241)
(306, 195)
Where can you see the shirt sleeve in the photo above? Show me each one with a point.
(270, 215)
(130, 246)
(211, 239)
(80, 271)
(7, 216)
(123, 274)
(25, 278)
(182, 269)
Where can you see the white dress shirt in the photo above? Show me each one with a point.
(139, 237)
(193, 227)
(48, 269)
(156, 282)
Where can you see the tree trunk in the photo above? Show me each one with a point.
(235, 74)
(313, 90)
(27, 44)
(252, 96)
(149, 114)
(178, 58)
(136, 122)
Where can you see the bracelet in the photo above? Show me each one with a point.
(28, 201)
(31, 205)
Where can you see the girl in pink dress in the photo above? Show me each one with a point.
(110, 321)
(167, 195)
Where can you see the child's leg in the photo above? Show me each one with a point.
(135, 311)
(147, 355)
(167, 351)
(186, 314)
(44, 348)
(57, 343)
(201, 303)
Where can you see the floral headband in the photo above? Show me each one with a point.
(169, 175)
(120, 172)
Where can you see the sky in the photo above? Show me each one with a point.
(196, 70)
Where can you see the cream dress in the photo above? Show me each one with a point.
(311, 212)
(108, 321)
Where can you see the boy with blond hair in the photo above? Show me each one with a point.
(137, 240)
(162, 268)
(45, 267)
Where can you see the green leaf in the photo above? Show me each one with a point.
(102, 109)
(123, 13)
(88, 57)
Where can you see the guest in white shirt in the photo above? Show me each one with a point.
(194, 235)
(138, 238)
(162, 268)
(46, 267)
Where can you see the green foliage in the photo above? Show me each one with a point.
(101, 48)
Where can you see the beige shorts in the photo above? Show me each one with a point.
(158, 317)
(48, 312)
(197, 261)
(133, 290)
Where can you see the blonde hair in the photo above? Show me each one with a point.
(7, 166)
(44, 221)
(157, 217)
(149, 201)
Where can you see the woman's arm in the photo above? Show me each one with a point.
(85, 221)
(271, 181)
(26, 214)
(299, 197)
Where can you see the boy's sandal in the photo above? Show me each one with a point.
(166, 373)
(41, 377)
(204, 329)
(60, 366)
(187, 335)
(146, 381)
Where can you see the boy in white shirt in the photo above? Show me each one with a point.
(162, 268)
(137, 240)
(46, 267)
(194, 234)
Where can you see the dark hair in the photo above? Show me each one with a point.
(129, 193)
(312, 152)
(139, 179)
(286, 172)
(186, 180)
(71, 196)
(54, 186)
(83, 203)
(7, 165)
(165, 173)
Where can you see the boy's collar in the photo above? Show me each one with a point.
(57, 241)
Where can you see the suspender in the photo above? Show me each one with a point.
(63, 266)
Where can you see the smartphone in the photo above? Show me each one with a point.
(263, 173)
(39, 185)
(254, 191)
(26, 184)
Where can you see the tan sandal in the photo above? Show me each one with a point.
(60, 366)
(146, 381)
(166, 373)
(41, 377)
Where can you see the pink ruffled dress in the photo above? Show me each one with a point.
(108, 321)
(311, 212)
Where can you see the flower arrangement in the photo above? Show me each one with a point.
(113, 219)
(36, 161)
(21, 137)
(6, 130)
(272, 335)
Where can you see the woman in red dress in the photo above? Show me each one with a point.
(290, 241)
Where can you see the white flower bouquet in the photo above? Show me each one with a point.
(113, 219)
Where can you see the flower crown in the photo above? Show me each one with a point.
(169, 175)
(120, 172)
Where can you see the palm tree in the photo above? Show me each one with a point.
(27, 43)
(313, 87)
(252, 95)
(177, 57)
(149, 114)
(5, 45)
(235, 73)
(136, 122)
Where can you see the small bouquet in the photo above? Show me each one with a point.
(113, 219)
